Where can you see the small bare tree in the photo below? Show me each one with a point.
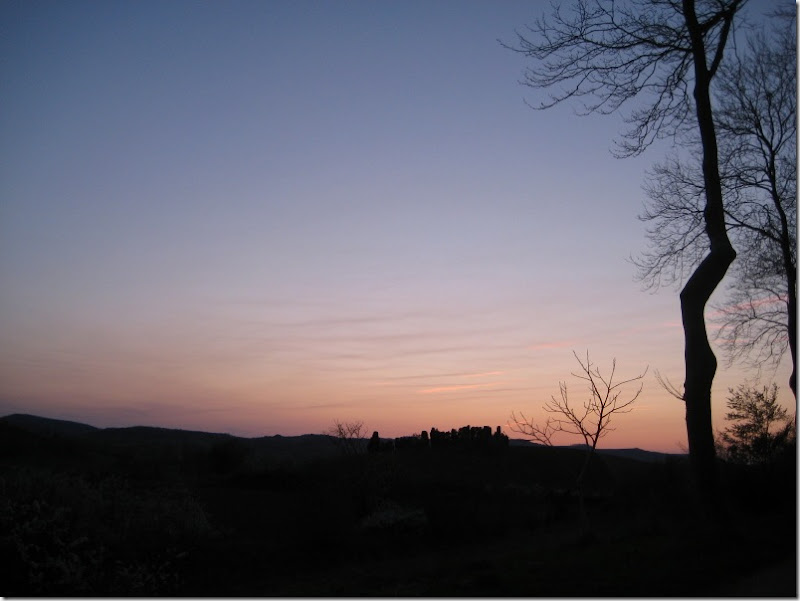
(591, 421)
(348, 436)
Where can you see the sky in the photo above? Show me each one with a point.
(261, 217)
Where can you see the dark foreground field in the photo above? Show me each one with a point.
(142, 511)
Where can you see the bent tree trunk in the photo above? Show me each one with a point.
(701, 364)
(791, 280)
(792, 308)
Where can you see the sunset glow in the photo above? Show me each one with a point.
(261, 217)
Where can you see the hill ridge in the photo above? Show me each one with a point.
(49, 426)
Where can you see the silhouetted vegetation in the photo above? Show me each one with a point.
(761, 431)
(458, 512)
(664, 55)
(755, 121)
(348, 436)
(590, 421)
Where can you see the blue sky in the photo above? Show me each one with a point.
(258, 217)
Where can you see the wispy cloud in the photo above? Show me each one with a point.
(551, 345)
(459, 374)
(750, 305)
(323, 406)
(427, 383)
(484, 374)
(467, 386)
(455, 387)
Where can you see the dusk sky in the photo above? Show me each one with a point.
(259, 217)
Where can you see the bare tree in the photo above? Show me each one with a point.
(591, 421)
(349, 436)
(757, 121)
(666, 54)
(756, 128)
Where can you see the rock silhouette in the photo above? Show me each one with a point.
(466, 437)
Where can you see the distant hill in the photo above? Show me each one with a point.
(635, 453)
(522, 442)
(639, 454)
(45, 426)
(22, 431)
(278, 448)
(151, 434)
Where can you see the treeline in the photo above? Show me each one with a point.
(466, 437)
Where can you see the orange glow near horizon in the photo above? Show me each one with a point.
(229, 250)
(251, 402)
(225, 382)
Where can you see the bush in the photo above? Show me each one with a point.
(761, 430)
(71, 536)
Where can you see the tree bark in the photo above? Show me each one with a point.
(701, 364)
(792, 308)
(791, 279)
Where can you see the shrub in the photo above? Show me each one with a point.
(71, 536)
(761, 430)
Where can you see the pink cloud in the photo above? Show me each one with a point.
(550, 345)
(455, 387)
(484, 374)
(394, 381)
(759, 302)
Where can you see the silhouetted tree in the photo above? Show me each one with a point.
(374, 444)
(665, 53)
(471, 437)
(761, 428)
(407, 442)
(348, 436)
(756, 130)
(500, 439)
(591, 422)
